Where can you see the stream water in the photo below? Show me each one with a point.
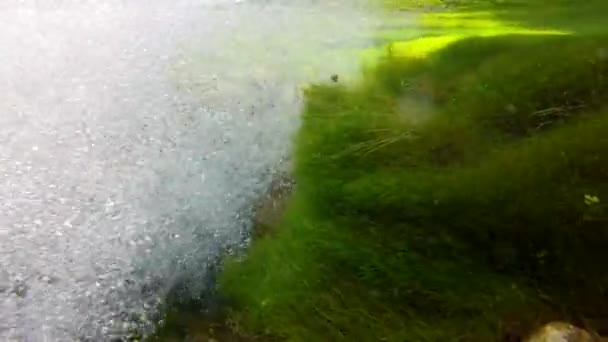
(134, 137)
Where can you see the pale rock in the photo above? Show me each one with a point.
(560, 332)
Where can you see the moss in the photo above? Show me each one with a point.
(338, 280)
(453, 197)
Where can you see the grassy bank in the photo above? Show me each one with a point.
(457, 196)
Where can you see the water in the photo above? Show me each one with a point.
(134, 137)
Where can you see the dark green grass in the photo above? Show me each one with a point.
(455, 198)
(566, 14)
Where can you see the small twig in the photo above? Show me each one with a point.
(370, 146)
(558, 111)
(543, 124)
(554, 112)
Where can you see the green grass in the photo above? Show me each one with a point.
(454, 197)
(323, 280)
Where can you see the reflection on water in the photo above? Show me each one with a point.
(133, 137)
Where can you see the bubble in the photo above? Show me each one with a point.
(133, 154)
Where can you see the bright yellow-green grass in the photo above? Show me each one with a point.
(431, 32)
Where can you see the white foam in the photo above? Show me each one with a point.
(133, 137)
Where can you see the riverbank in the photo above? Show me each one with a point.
(455, 195)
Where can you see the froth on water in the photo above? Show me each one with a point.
(134, 137)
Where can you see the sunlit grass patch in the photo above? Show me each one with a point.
(430, 32)
(421, 47)
(473, 19)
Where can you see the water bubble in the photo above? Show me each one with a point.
(148, 161)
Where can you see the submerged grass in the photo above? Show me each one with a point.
(456, 197)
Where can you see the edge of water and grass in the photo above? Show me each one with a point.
(456, 193)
